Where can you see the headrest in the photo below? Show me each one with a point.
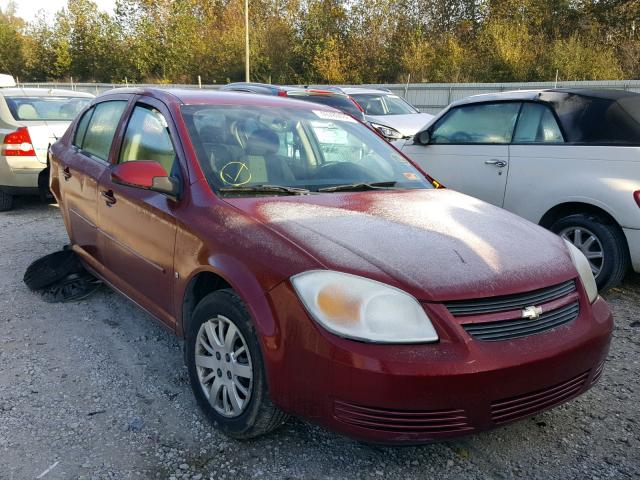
(211, 134)
(263, 142)
(26, 111)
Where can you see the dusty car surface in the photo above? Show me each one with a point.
(30, 120)
(313, 270)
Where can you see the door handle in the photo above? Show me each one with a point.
(496, 162)
(109, 199)
(66, 173)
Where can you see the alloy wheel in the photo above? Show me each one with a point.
(224, 368)
(589, 244)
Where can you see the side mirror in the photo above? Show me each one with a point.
(145, 174)
(422, 138)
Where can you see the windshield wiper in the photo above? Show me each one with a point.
(355, 187)
(266, 189)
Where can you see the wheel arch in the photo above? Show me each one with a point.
(570, 208)
(199, 285)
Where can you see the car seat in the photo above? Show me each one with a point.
(262, 159)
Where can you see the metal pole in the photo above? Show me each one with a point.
(246, 40)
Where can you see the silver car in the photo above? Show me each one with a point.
(391, 115)
(30, 120)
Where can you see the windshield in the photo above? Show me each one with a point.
(383, 104)
(245, 146)
(46, 108)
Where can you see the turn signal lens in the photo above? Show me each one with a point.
(18, 144)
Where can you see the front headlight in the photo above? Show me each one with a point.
(584, 270)
(387, 132)
(361, 309)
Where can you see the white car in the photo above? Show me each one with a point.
(388, 113)
(30, 120)
(567, 159)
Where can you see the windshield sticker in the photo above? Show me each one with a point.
(235, 174)
(411, 176)
(334, 116)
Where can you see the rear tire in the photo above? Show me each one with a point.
(6, 201)
(217, 365)
(610, 241)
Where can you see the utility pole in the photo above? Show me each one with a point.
(246, 40)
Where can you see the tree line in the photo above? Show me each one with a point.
(326, 41)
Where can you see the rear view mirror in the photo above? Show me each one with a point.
(145, 174)
(422, 138)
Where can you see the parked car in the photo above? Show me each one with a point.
(30, 120)
(337, 100)
(313, 270)
(567, 159)
(390, 114)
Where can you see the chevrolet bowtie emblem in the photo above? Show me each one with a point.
(532, 313)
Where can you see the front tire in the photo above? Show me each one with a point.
(601, 241)
(6, 201)
(226, 368)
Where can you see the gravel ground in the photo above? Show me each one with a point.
(97, 389)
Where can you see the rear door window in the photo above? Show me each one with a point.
(537, 125)
(102, 127)
(488, 123)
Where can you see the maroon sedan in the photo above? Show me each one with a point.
(313, 270)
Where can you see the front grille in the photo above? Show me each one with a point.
(402, 421)
(509, 329)
(515, 301)
(514, 408)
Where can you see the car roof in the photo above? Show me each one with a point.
(42, 92)
(196, 96)
(539, 94)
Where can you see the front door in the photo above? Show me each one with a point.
(139, 225)
(469, 149)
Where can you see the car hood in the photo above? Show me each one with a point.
(408, 125)
(436, 244)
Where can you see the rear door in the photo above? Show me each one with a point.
(469, 149)
(139, 226)
(78, 171)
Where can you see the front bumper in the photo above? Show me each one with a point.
(633, 240)
(424, 393)
(20, 173)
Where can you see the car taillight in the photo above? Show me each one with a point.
(636, 195)
(18, 144)
(282, 93)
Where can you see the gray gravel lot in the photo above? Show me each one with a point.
(96, 389)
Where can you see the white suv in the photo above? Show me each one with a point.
(30, 120)
(566, 159)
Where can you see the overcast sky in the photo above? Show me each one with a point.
(28, 8)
